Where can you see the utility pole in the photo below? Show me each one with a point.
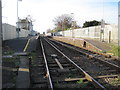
(0, 23)
(0, 44)
(119, 23)
(102, 24)
(63, 28)
(73, 29)
(119, 27)
(102, 30)
(73, 24)
(17, 26)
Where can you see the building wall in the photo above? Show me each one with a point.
(9, 32)
(95, 33)
(24, 33)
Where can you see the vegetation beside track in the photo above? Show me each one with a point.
(115, 50)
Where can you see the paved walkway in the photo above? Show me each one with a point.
(104, 46)
(18, 45)
(23, 78)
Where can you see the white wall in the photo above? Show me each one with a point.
(94, 33)
(9, 32)
(24, 33)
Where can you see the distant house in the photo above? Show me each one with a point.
(33, 33)
(25, 24)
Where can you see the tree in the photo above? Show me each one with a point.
(91, 23)
(49, 30)
(63, 22)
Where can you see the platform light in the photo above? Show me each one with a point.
(17, 26)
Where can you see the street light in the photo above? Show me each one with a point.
(73, 22)
(119, 24)
(0, 23)
(17, 26)
(0, 43)
(0, 16)
(63, 28)
(102, 30)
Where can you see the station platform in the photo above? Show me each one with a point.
(19, 44)
(15, 59)
(104, 46)
(90, 44)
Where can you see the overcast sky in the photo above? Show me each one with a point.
(44, 11)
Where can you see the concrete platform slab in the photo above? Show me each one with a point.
(101, 45)
(94, 45)
(23, 79)
(7, 56)
(20, 54)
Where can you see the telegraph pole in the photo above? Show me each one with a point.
(63, 28)
(73, 22)
(0, 22)
(17, 26)
(119, 27)
(102, 30)
(119, 23)
(0, 44)
(73, 29)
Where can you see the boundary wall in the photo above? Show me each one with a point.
(109, 35)
(78, 42)
(9, 32)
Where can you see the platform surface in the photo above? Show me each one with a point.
(104, 46)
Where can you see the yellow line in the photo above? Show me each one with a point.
(26, 45)
(24, 69)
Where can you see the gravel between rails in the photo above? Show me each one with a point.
(93, 67)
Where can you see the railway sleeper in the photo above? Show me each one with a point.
(40, 86)
(42, 80)
(90, 56)
(89, 78)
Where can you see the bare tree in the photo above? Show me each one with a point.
(49, 30)
(63, 22)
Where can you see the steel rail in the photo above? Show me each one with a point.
(46, 64)
(105, 62)
(87, 76)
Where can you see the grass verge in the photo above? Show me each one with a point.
(115, 51)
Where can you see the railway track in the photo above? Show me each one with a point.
(95, 66)
(114, 62)
(56, 66)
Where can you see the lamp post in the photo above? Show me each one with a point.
(102, 24)
(63, 28)
(0, 43)
(17, 26)
(73, 23)
(72, 29)
(102, 30)
(119, 23)
(0, 23)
